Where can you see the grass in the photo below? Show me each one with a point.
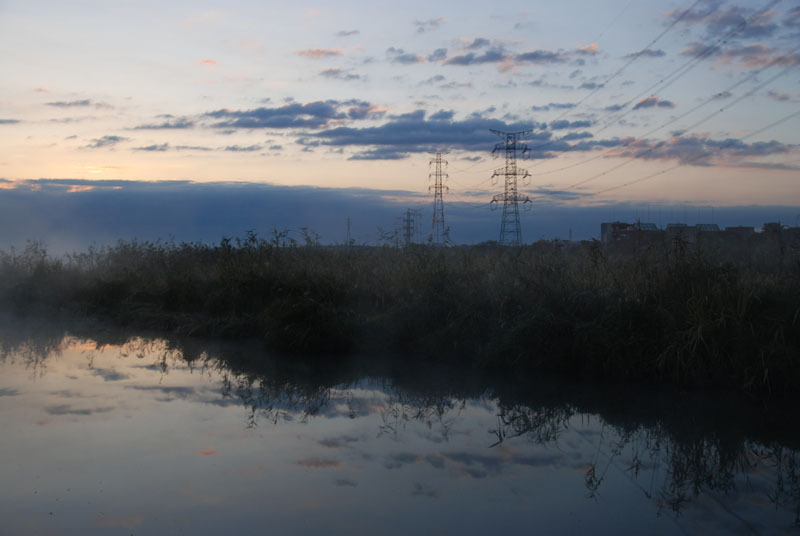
(682, 314)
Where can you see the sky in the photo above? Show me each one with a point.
(635, 104)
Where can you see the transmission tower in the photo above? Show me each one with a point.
(410, 226)
(438, 231)
(510, 230)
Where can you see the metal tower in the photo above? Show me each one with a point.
(410, 226)
(510, 230)
(438, 230)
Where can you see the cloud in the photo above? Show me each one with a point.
(347, 33)
(70, 104)
(208, 62)
(438, 55)
(276, 147)
(428, 25)
(170, 124)
(541, 57)
(553, 106)
(318, 463)
(792, 18)
(320, 53)
(344, 482)
(206, 452)
(653, 102)
(110, 375)
(9, 121)
(66, 409)
(241, 149)
(105, 141)
(413, 133)
(494, 55)
(781, 97)
(646, 53)
(293, 115)
(563, 123)
(700, 150)
(161, 147)
(722, 22)
(588, 50)
(478, 42)
(398, 55)
(6, 391)
(339, 74)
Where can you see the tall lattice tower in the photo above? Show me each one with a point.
(510, 230)
(438, 231)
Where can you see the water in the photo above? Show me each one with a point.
(106, 434)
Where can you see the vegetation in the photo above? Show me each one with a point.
(682, 313)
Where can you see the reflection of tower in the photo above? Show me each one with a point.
(438, 231)
(410, 226)
(510, 231)
(349, 241)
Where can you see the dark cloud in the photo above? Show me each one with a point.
(276, 147)
(493, 55)
(70, 104)
(345, 483)
(646, 53)
(105, 141)
(478, 42)
(6, 391)
(398, 55)
(422, 490)
(340, 74)
(318, 463)
(699, 150)
(722, 22)
(293, 115)
(614, 107)
(792, 18)
(435, 79)
(653, 102)
(782, 97)
(590, 85)
(438, 55)
(347, 33)
(540, 57)
(413, 133)
(9, 121)
(723, 95)
(395, 461)
(153, 148)
(243, 149)
(553, 106)
(428, 25)
(577, 136)
(443, 115)
(176, 123)
(563, 123)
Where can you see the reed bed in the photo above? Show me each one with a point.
(677, 313)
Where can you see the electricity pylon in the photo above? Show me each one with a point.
(410, 226)
(438, 230)
(510, 230)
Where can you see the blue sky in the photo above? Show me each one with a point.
(651, 103)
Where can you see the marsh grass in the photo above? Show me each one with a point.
(680, 313)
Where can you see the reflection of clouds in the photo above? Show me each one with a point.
(8, 392)
(421, 490)
(318, 463)
(337, 442)
(395, 461)
(66, 409)
(207, 452)
(127, 522)
(345, 483)
(110, 375)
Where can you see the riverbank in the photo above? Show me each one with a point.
(680, 315)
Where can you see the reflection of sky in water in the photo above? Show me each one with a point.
(111, 439)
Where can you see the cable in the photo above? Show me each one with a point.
(698, 157)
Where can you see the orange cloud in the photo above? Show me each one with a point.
(319, 53)
(207, 62)
(75, 188)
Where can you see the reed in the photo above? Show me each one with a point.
(676, 314)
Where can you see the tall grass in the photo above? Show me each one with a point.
(679, 313)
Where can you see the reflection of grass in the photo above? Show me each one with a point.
(677, 315)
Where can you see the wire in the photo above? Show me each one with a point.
(698, 157)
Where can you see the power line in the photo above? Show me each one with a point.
(728, 143)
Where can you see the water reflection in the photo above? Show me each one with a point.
(379, 434)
